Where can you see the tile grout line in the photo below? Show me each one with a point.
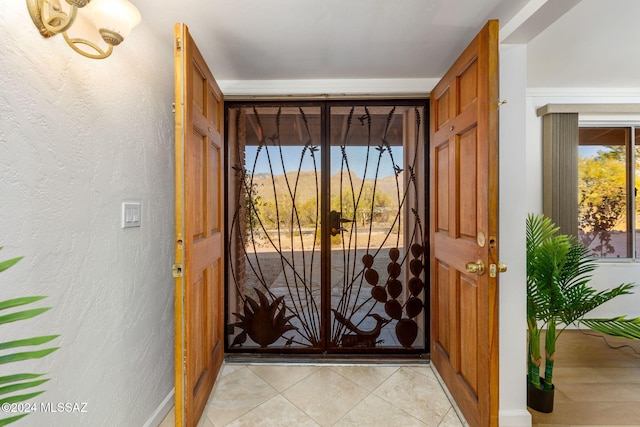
(212, 395)
(360, 401)
(393, 404)
(288, 387)
(300, 409)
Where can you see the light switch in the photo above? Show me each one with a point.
(131, 214)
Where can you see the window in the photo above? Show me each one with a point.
(608, 178)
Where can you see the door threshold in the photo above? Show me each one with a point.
(328, 359)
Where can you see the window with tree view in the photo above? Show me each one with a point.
(608, 176)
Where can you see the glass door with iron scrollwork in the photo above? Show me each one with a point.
(325, 249)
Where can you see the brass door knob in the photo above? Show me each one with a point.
(475, 267)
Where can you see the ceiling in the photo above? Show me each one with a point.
(353, 40)
(326, 39)
(593, 45)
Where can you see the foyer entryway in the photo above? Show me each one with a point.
(327, 395)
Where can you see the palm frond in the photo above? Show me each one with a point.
(17, 302)
(28, 341)
(9, 420)
(617, 326)
(18, 383)
(21, 386)
(584, 299)
(18, 377)
(22, 315)
(20, 397)
(9, 262)
(26, 355)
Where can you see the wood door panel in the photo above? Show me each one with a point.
(213, 110)
(455, 255)
(468, 87)
(215, 197)
(467, 172)
(463, 228)
(442, 305)
(442, 187)
(214, 293)
(196, 183)
(469, 330)
(206, 249)
(196, 309)
(443, 112)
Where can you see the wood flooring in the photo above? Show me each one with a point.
(595, 385)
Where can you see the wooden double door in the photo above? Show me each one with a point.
(462, 240)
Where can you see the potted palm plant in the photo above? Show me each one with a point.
(558, 295)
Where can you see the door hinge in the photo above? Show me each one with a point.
(178, 43)
(176, 269)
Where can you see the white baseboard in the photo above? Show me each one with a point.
(162, 410)
(515, 418)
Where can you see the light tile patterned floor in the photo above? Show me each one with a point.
(326, 395)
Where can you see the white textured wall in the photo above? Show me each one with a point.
(513, 211)
(77, 137)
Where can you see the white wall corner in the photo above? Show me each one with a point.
(162, 410)
(515, 418)
(531, 20)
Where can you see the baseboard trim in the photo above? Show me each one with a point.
(162, 410)
(515, 418)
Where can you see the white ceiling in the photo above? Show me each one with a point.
(595, 44)
(326, 39)
(268, 40)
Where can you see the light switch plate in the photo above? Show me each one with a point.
(131, 214)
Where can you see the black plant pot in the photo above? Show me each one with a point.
(539, 399)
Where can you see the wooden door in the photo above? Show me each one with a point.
(464, 228)
(199, 245)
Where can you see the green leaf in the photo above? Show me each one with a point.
(18, 377)
(22, 315)
(5, 421)
(21, 386)
(20, 397)
(8, 263)
(18, 302)
(29, 341)
(617, 326)
(15, 357)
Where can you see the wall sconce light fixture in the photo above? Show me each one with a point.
(113, 19)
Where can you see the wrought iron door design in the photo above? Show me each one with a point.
(354, 285)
